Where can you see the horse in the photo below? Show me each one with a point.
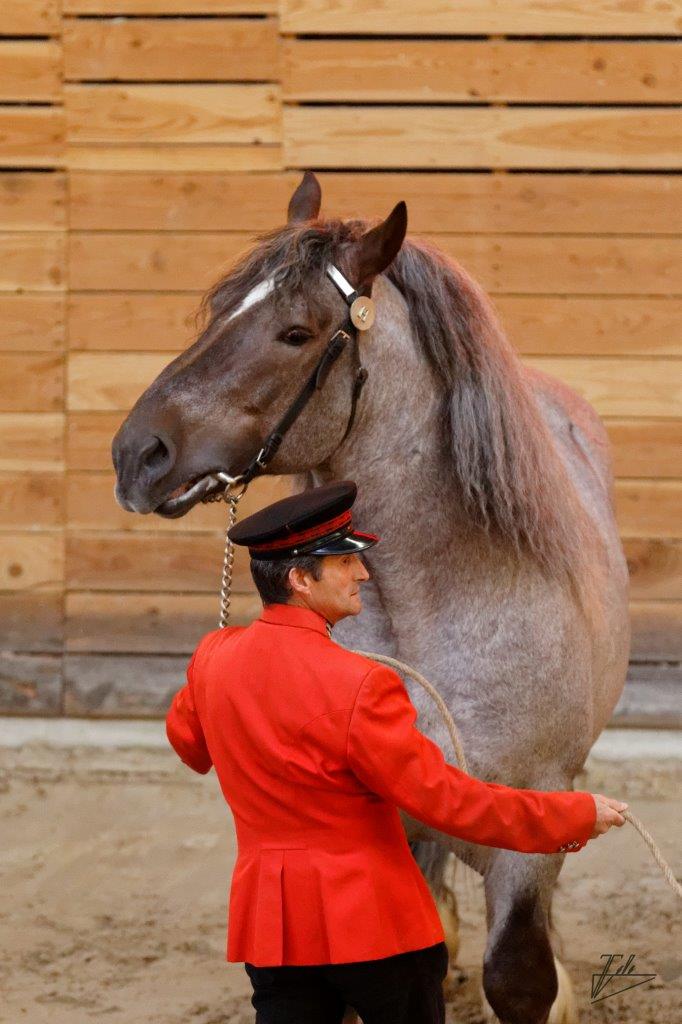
(500, 574)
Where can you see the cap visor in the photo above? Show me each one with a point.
(354, 541)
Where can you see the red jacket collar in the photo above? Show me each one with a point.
(293, 615)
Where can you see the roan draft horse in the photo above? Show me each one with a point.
(500, 574)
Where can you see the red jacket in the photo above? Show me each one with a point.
(315, 749)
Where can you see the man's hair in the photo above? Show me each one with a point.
(271, 577)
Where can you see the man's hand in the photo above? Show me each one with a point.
(607, 814)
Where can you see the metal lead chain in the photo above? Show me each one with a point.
(228, 556)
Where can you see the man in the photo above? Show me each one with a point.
(315, 750)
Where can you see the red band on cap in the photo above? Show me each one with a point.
(304, 535)
(368, 536)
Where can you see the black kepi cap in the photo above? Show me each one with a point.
(314, 522)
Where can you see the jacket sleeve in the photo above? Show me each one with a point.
(183, 727)
(394, 759)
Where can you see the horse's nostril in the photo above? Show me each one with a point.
(154, 454)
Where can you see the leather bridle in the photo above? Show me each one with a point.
(360, 317)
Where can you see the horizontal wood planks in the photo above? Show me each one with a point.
(655, 568)
(656, 633)
(32, 201)
(111, 381)
(192, 49)
(617, 387)
(31, 136)
(33, 323)
(588, 265)
(109, 561)
(195, 93)
(474, 17)
(30, 560)
(163, 157)
(149, 623)
(144, 145)
(640, 204)
(646, 447)
(172, 113)
(509, 137)
(30, 70)
(32, 260)
(30, 18)
(31, 382)
(155, 261)
(43, 493)
(169, 7)
(650, 507)
(473, 71)
(32, 442)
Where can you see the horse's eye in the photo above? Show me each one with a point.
(295, 336)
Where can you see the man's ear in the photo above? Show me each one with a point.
(297, 580)
(306, 201)
(375, 250)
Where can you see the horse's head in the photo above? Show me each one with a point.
(267, 324)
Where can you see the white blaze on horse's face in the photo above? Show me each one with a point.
(257, 294)
(262, 290)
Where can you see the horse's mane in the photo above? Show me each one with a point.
(512, 480)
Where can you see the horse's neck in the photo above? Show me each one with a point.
(392, 448)
(398, 453)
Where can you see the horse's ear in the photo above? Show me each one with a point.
(306, 200)
(377, 248)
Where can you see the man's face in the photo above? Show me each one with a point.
(337, 592)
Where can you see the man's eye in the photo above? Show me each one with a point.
(295, 336)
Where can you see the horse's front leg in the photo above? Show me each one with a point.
(522, 981)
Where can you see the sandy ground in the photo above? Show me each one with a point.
(115, 872)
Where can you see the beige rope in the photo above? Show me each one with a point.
(655, 853)
(433, 692)
(459, 753)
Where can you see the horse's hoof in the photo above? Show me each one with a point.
(564, 1009)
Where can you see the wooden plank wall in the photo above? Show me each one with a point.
(33, 282)
(145, 142)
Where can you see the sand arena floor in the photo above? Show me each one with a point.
(115, 872)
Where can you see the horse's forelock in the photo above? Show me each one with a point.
(296, 253)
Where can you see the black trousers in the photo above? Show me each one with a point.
(401, 989)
